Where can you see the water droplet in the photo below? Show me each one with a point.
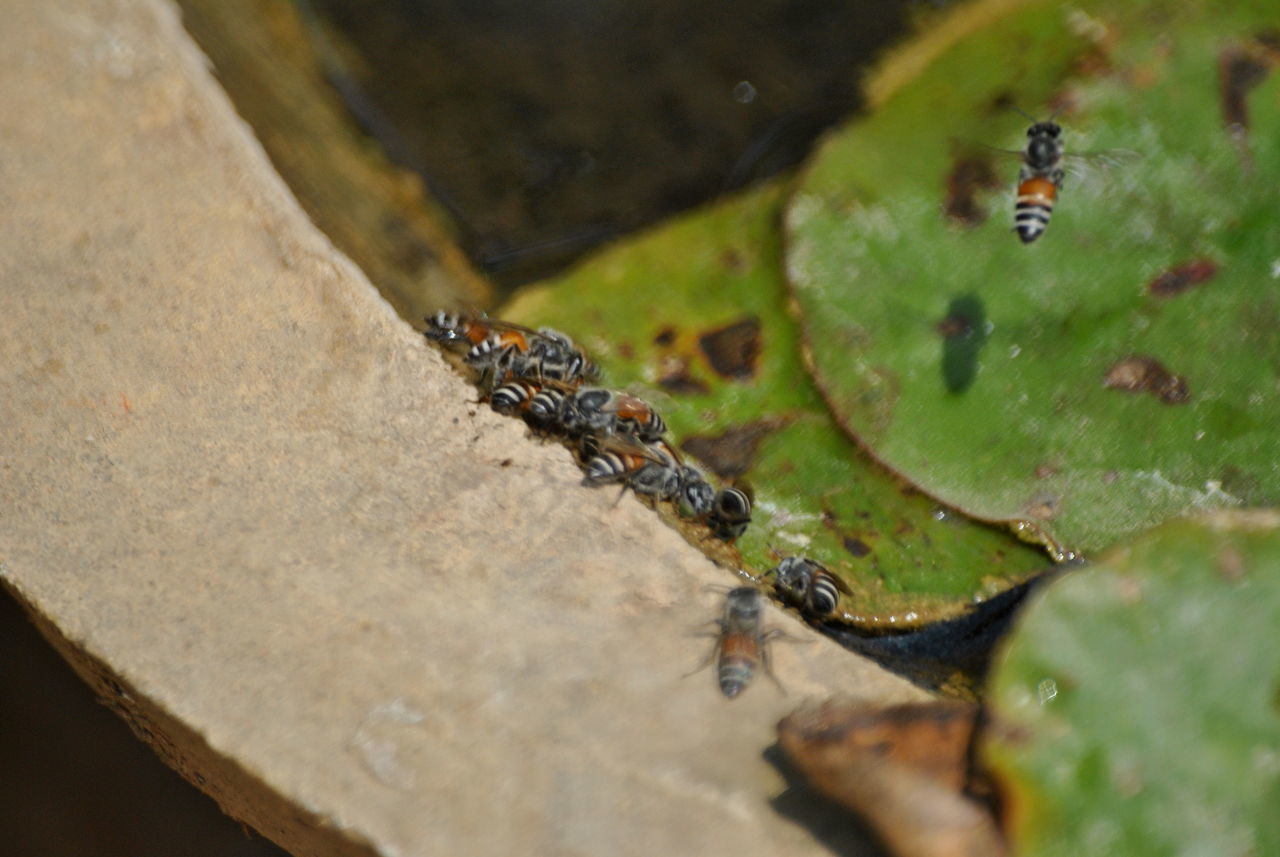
(744, 92)
(1047, 690)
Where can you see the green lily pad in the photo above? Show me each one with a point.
(692, 317)
(1139, 699)
(1122, 369)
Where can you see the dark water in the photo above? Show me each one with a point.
(548, 127)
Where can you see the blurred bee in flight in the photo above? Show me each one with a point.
(1039, 180)
(742, 643)
(1043, 169)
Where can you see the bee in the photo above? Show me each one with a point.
(650, 469)
(742, 644)
(807, 586)
(453, 327)
(500, 350)
(538, 402)
(697, 497)
(513, 397)
(1039, 180)
(605, 412)
(730, 513)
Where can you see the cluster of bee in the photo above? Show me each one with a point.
(542, 376)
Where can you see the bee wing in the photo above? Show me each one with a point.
(627, 445)
(839, 582)
(558, 386)
(1087, 165)
(496, 324)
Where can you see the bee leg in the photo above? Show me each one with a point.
(618, 499)
(705, 662)
(766, 660)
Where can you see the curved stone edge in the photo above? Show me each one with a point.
(243, 491)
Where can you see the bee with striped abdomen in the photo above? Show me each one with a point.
(650, 469)
(807, 586)
(697, 497)
(539, 402)
(500, 350)
(1039, 180)
(605, 412)
(730, 513)
(742, 643)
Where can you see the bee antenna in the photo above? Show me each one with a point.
(1025, 113)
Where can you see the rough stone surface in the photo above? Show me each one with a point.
(262, 517)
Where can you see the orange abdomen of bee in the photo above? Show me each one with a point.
(513, 337)
(739, 646)
(1034, 205)
(1037, 191)
(632, 463)
(475, 332)
(631, 408)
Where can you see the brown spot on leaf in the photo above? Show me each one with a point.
(625, 351)
(1001, 102)
(1139, 373)
(683, 384)
(665, 337)
(1240, 69)
(1095, 62)
(856, 546)
(732, 350)
(1046, 470)
(1184, 277)
(733, 260)
(968, 176)
(1230, 564)
(731, 453)
(676, 378)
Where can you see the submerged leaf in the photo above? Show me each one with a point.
(692, 316)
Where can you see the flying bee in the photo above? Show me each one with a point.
(1044, 165)
(606, 412)
(650, 469)
(807, 586)
(730, 513)
(1039, 180)
(742, 643)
